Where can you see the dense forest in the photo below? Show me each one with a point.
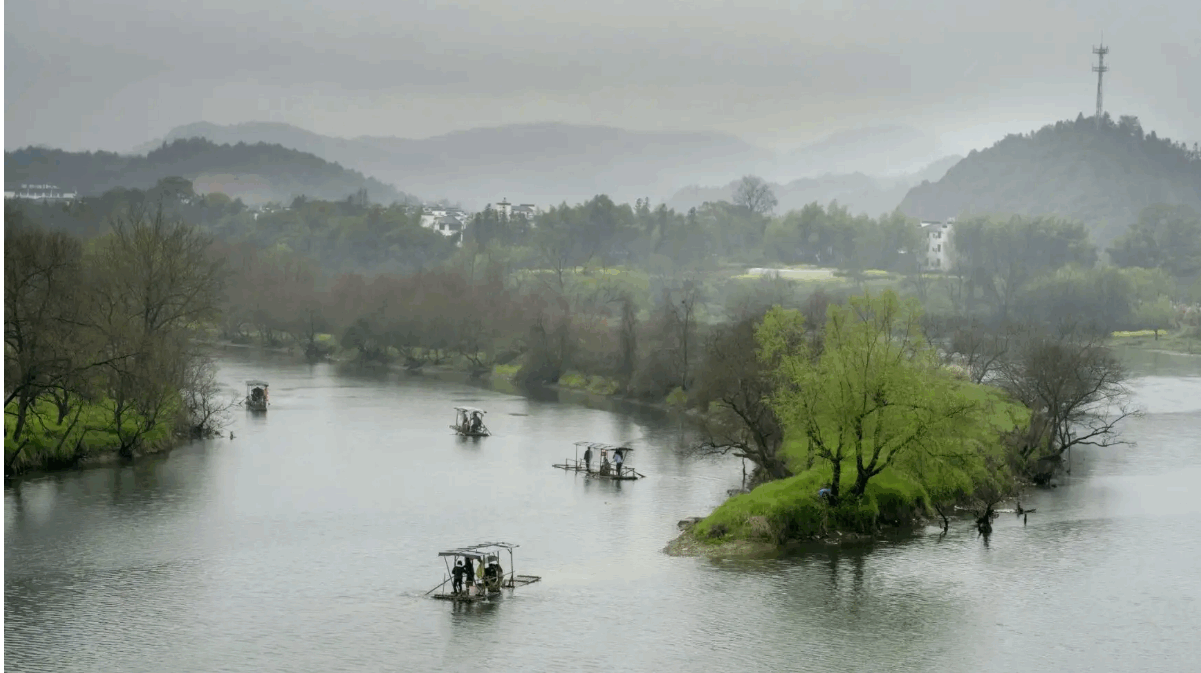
(255, 173)
(1101, 175)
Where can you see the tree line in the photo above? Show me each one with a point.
(98, 348)
(636, 298)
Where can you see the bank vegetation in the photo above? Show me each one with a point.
(99, 355)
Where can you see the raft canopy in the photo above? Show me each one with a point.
(257, 383)
(479, 552)
(468, 410)
(598, 446)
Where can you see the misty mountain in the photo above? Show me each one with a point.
(860, 193)
(1100, 176)
(874, 150)
(537, 163)
(255, 173)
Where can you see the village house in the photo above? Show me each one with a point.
(444, 220)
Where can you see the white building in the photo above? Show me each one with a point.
(40, 193)
(507, 210)
(446, 221)
(938, 244)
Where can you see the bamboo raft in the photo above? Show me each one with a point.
(463, 426)
(483, 588)
(604, 470)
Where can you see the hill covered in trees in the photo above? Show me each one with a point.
(256, 174)
(1101, 175)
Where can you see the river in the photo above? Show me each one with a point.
(306, 543)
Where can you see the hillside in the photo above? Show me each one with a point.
(858, 192)
(255, 173)
(1102, 177)
(539, 163)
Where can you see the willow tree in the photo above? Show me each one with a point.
(875, 393)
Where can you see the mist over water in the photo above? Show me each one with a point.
(308, 541)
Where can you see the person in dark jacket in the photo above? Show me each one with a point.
(588, 459)
(469, 575)
(457, 574)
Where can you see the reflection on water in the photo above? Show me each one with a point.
(308, 542)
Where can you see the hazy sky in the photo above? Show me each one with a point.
(110, 74)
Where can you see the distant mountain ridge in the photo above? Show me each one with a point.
(1100, 176)
(872, 150)
(540, 163)
(256, 173)
(860, 193)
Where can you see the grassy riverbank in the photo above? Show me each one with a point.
(1186, 341)
(899, 499)
(87, 439)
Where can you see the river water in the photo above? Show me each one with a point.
(306, 543)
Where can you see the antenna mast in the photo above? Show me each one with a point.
(1100, 69)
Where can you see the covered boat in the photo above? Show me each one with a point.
(475, 573)
(257, 397)
(469, 422)
(601, 461)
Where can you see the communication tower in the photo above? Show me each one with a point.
(1100, 69)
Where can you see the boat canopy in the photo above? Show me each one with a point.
(257, 383)
(597, 446)
(470, 410)
(479, 552)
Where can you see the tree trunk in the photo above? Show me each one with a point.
(836, 477)
(861, 479)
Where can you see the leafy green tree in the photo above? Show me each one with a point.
(1000, 257)
(875, 393)
(1165, 237)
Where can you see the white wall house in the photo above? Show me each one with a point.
(446, 221)
(40, 193)
(508, 210)
(938, 244)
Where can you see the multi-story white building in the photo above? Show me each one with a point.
(938, 244)
(505, 209)
(40, 193)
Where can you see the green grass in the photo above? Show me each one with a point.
(506, 371)
(596, 384)
(677, 397)
(791, 509)
(95, 427)
(1179, 341)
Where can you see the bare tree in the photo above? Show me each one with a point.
(41, 273)
(679, 313)
(982, 351)
(50, 354)
(205, 406)
(155, 281)
(1074, 385)
(733, 391)
(754, 194)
